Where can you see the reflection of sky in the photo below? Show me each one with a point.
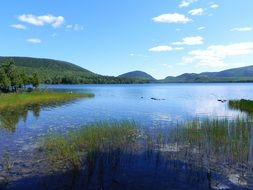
(181, 101)
(124, 102)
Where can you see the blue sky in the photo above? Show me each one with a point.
(161, 37)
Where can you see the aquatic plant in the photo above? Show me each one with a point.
(73, 148)
(7, 163)
(12, 100)
(242, 105)
(215, 145)
(217, 141)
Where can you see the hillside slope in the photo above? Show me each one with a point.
(40, 63)
(55, 72)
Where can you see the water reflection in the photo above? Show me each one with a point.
(127, 171)
(10, 117)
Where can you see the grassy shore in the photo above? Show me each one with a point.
(37, 97)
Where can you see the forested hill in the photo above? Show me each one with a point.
(138, 75)
(55, 72)
(39, 63)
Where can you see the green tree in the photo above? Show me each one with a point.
(13, 74)
(35, 80)
(5, 82)
(24, 78)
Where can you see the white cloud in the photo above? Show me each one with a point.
(186, 3)
(75, 27)
(164, 48)
(18, 26)
(55, 21)
(161, 49)
(34, 40)
(244, 29)
(214, 6)
(171, 18)
(178, 48)
(201, 28)
(192, 40)
(214, 56)
(196, 12)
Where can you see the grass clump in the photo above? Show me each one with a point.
(12, 100)
(71, 149)
(220, 139)
(242, 105)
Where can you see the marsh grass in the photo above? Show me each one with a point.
(242, 105)
(217, 145)
(7, 163)
(13, 100)
(73, 148)
(220, 140)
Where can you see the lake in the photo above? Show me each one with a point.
(151, 106)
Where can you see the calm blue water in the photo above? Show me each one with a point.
(179, 102)
(130, 102)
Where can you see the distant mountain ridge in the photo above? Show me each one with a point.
(241, 74)
(138, 75)
(55, 72)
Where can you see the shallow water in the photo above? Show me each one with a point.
(22, 127)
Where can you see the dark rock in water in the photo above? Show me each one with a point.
(222, 101)
(142, 97)
(157, 99)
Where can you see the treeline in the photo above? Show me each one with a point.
(50, 76)
(13, 80)
(96, 79)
